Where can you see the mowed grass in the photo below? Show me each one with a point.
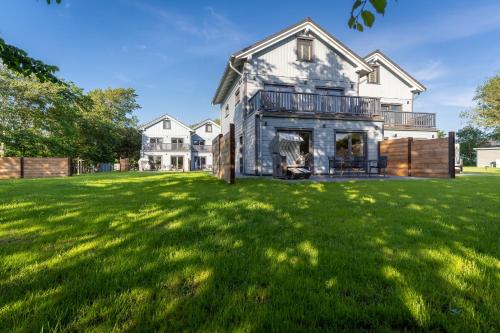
(186, 252)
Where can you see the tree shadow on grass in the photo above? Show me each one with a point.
(187, 252)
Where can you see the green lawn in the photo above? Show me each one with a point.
(185, 252)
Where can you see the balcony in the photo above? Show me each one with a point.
(166, 147)
(202, 148)
(418, 120)
(314, 103)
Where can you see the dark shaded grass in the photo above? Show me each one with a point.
(142, 252)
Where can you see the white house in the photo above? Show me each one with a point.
(303, 84)
(169, 144)
(201, 144)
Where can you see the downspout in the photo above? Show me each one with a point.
(260, 144)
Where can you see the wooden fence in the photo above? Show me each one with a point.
(224, 156)
(420, 158)
(34, 167)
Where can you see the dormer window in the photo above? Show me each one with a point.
(208, 128)
(167, 124)
(304, 49)
(374, 77)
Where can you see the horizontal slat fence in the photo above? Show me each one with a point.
(434, 158)
(34, 167)
(10, 167)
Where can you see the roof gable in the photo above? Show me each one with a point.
(378, 56)
(202, 123)
(161, 118)
(238, 58)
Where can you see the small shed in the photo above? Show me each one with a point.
(488, 156)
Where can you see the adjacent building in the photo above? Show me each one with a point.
(302, 84)
(169, 144)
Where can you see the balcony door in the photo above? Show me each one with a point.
(327, 100)
(177, 143)
(278, 97)
(351, 145)
(200, 162)
(177, 162)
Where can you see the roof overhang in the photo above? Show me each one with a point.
(378, 56)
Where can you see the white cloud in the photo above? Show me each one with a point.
(431, 71)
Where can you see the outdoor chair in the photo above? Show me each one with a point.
(380, 165)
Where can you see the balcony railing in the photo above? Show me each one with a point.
(409, 119)
(313, 103)
(166, 147)
(202, 148)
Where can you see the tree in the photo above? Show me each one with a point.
(108, 129)
(469, 138)
(487, 111)
(441, 134)
(361, 9)
(38, 118)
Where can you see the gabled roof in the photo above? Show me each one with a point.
(378, 55)
(161, 118)
(239, 57)
(203, 122)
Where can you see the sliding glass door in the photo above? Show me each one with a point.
(177, 162)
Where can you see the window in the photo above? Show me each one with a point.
(392, 107)
(155, 140)
(226, 111)
(237, 97)
(374, 77)
(167, 124)
(327, 91)
(304, 49)
(208, 128)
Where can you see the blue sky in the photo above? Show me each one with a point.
(173, 52)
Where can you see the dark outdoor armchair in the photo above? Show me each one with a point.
(380, 165)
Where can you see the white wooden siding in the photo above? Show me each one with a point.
(390, 90)
(323, 138)
(176, 131)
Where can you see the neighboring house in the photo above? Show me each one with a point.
(303, 84)
(169, 144)
(201, 144)
(488, 156)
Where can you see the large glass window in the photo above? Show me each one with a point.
(350, 145)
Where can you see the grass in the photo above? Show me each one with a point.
(482, 170)
(185, 252)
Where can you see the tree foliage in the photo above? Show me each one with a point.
(362, 13)
(487, 111)
(471, 137)
(43, 118)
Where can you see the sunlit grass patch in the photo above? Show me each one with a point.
(186, 252)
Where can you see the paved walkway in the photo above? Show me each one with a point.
(336, 179)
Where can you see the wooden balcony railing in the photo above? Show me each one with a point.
(409, 119)
(314, 103)
(166, 147)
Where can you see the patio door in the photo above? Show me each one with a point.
(351, 145)
(154, 162)
(200, 162)
(177, 162)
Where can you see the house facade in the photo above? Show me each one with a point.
(169, 144)
(303, 83)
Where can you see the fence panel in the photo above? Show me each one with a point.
(224, 156)
(433, 158)
(10, 167)
(40, 167)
